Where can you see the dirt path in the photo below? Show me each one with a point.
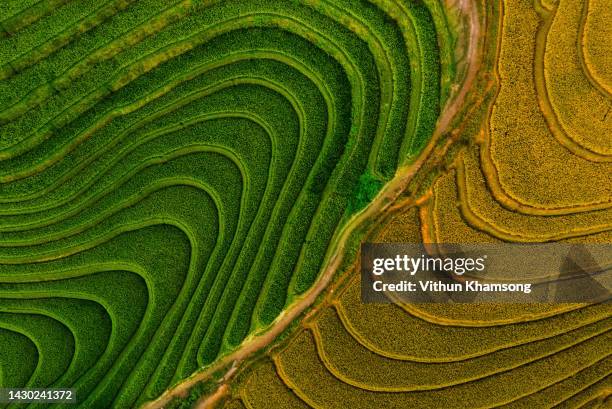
(381, 202)
(211, 401)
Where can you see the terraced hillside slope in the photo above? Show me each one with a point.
(173, 174)
(531, 163)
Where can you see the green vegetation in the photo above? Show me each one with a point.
(173, 174)
(367, 188)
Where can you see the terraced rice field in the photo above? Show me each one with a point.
(173, 174)
(532, 163)
(356, 355)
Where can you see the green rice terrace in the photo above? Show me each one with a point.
(174, 174)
